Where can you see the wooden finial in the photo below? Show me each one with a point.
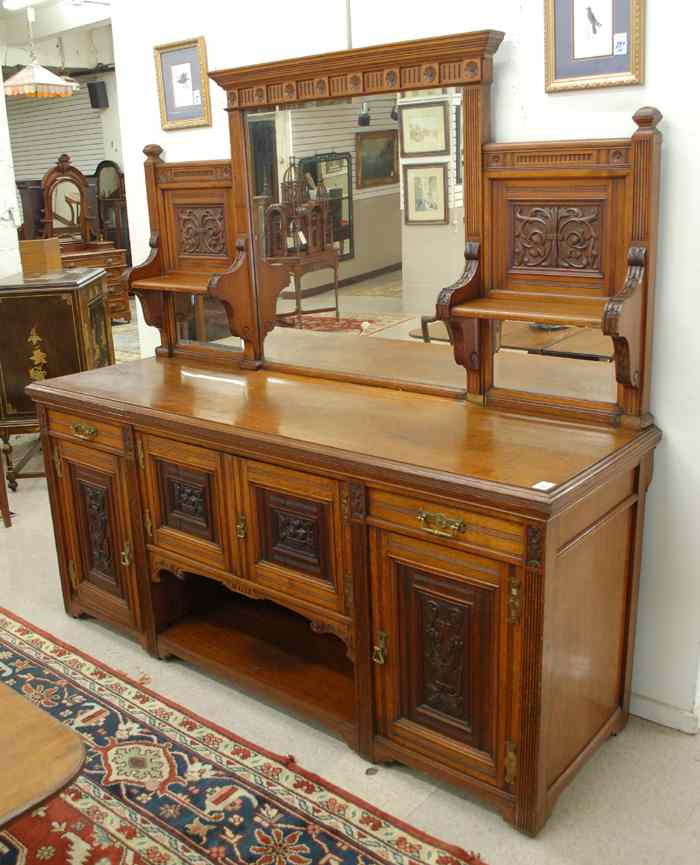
(153, 151)
(647, 117)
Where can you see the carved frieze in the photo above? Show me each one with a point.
(557, 236)
(201, 230)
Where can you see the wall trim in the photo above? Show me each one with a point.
(665, 714)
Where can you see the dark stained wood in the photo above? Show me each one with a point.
(50, 324)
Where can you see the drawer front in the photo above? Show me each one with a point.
(295, 534)
(106, 259)
(187, 503)
(87, 430)
(442, 522)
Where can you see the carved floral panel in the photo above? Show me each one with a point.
(443, 656)
(201, 230)
(99, 542)
(561, 236)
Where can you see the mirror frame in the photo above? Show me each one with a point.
(64, 171)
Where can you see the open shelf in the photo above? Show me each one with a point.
(577, 312)
(177, 281)
(267, 650)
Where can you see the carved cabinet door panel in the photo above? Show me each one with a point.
(295, 539)
(95, 507)
(440, 670)
(187, 501)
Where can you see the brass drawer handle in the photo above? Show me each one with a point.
(83, 431)
(439, 524)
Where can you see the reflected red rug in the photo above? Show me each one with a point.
(328, 323)
(166, 787)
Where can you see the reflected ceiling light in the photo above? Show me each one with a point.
(35, 81)
(363, 117)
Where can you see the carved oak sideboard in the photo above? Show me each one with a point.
(444, 577)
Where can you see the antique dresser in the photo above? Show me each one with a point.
(51, 324)
(433, 549)
(65, 193)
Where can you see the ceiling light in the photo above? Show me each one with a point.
(363, 118)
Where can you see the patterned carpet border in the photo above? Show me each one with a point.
(295, 817)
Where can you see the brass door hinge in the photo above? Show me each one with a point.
(515, 601)
(511, 763)
(380, 649)
(139, 453)
(241, 527)
(57, 464)
(73, 575)
(125, 557)
(148, 522)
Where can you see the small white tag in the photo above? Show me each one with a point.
(543, 485)
(619, 44)
(197, 96)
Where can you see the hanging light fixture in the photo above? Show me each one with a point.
(34, 80)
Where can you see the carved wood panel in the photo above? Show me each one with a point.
(447, 649)
(556, 236)
(95, 519)
(294, 533)
(186, 500)
(201, 230)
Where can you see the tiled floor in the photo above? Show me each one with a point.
(636, 803)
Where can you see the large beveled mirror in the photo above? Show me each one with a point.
(359, 202)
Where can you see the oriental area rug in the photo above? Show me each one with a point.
(161, 786)
(328, 323)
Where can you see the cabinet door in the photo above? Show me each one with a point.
(100, 549)
(437, 622)
(295, 535)
(185, 490)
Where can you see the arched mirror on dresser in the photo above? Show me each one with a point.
(67, 216)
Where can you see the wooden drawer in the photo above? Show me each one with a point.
(446, 523)
(87, 430)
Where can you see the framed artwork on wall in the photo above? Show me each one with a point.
(425, 194)
(424, 129)
(183, 84)
(377, 158)
(593, 43)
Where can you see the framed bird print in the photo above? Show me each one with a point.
(183, 84)
(593, 43)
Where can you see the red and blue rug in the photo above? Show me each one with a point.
(161, 786)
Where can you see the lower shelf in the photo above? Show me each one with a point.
(270, 651)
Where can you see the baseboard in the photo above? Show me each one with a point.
(663, 713)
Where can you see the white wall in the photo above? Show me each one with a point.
(9, 213)
(235, 36)
(668, 644)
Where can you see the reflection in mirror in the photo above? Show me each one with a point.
(108, 182)
(202, 319)
(65, 206)
(368, 227)
(574, 362)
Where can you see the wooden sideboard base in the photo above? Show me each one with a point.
(385, 563)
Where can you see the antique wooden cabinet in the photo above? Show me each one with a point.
(50, 325)
(445, 577)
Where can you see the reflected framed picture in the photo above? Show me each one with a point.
(424, 129)
(593, 43)
(425, 194)
(183, 84)
(377, 158)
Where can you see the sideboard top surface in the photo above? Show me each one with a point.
(428, 433)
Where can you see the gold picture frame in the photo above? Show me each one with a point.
(183, 93)
(596, 71)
